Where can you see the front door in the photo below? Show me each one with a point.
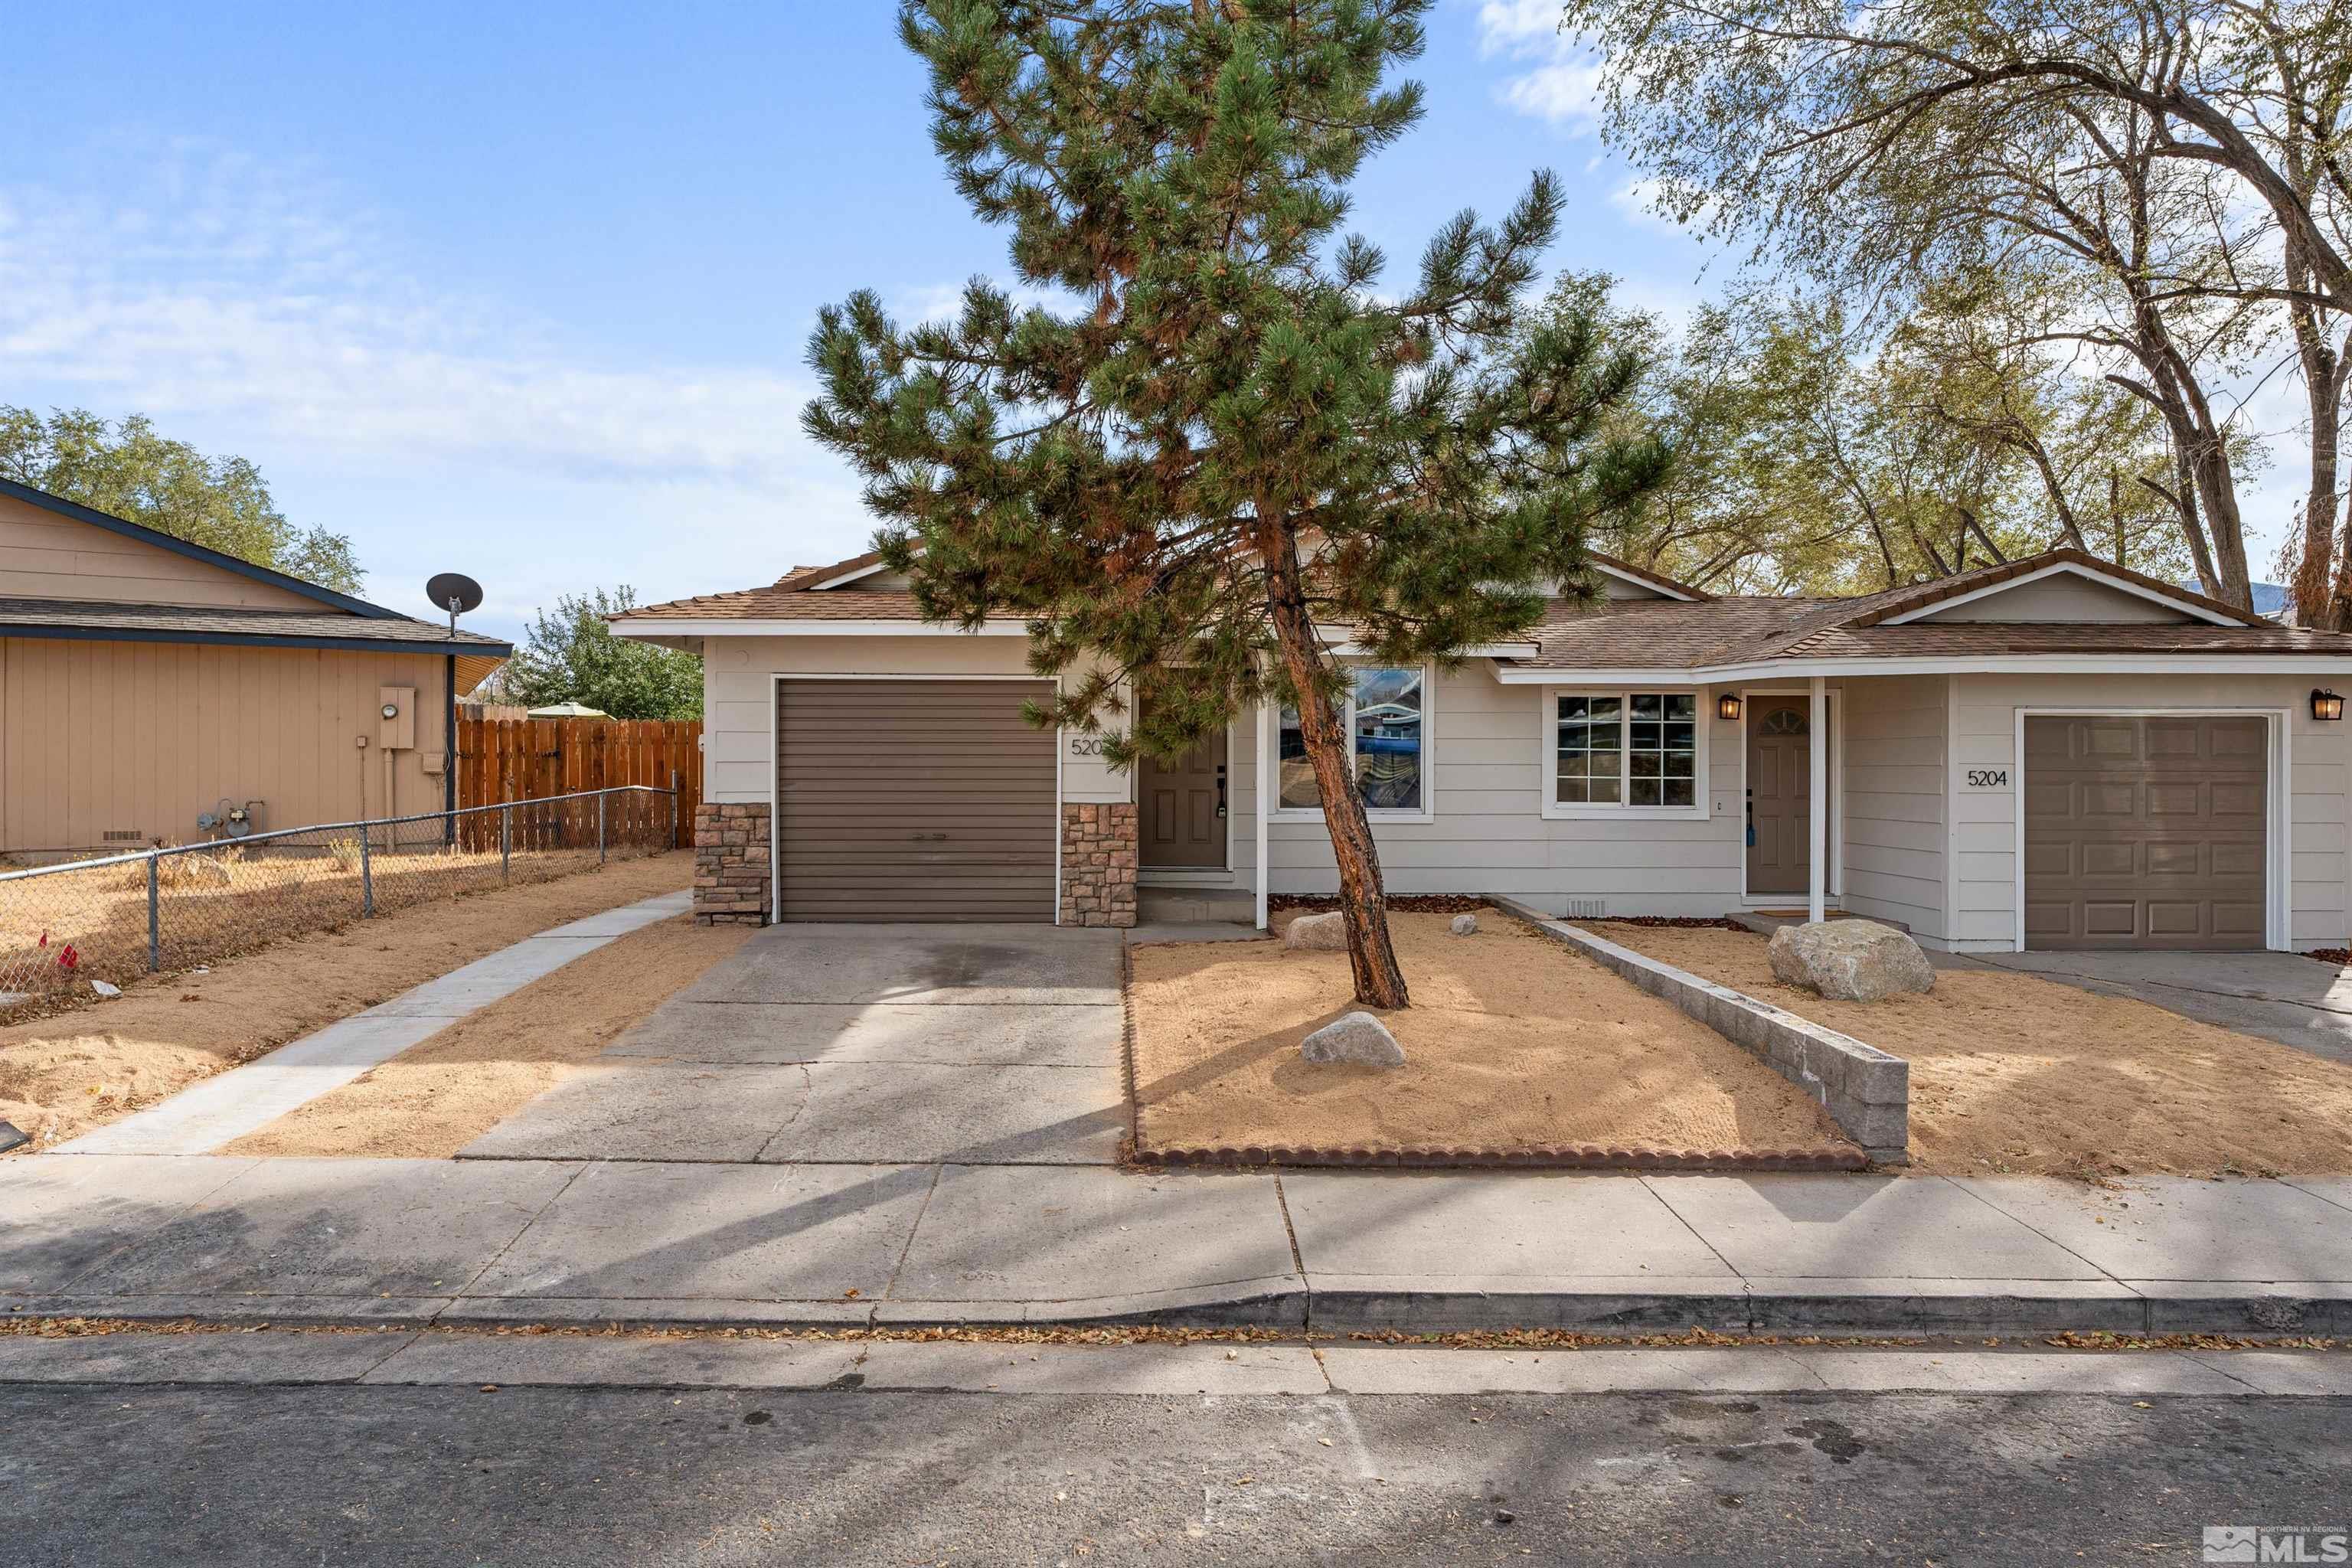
(1183, 808)
(1779, 791)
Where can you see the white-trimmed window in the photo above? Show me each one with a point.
(1386, 714)
(1624, 754)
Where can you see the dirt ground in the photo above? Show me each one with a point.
(2012, 1073)
(446, 1090)
(1512, 1041)
(63, 1075)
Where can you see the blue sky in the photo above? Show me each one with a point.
(524, 292)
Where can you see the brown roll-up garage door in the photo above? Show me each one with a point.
(913, 800)
(2146, 832)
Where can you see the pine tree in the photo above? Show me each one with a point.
(1225, 452)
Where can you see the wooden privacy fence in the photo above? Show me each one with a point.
(501, 760)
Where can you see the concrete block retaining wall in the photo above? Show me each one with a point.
(1866, 1091)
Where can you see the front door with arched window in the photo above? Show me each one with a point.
(1779, 792)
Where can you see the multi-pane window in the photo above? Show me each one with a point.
(1384, 712)
(1634, 748)
(1592, 752)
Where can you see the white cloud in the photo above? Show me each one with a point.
(1559, 79)
(1637, 200)
(227, 288)
(250, 308)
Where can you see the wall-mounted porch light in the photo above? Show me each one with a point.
(2327, 705)
(1727, 705)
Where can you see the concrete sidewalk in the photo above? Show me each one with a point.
(646, 1242)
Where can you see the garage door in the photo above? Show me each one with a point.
(913, 800)
(2146, 832)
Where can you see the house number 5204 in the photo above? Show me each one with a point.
(1988, 778)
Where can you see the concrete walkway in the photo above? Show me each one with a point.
(206, 1115)
(2283, 996)
(548, 1241)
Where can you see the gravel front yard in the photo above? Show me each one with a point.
(61, 1076)
(2012, 1073)
(1512, 1042)
(446, 1090)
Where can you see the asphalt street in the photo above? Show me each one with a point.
(146, 1473)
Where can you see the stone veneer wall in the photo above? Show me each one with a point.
(1099, 859)
(731, 844)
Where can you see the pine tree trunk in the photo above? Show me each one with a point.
(1372, 953)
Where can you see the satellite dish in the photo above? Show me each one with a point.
(453, 592)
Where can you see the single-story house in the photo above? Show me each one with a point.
(2053, 752)
(146, 681)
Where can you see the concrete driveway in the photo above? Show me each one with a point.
(2282, 996)
(857, 1044)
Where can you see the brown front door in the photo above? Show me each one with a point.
(1780, 803)
(1184, 817)
(2146, 832)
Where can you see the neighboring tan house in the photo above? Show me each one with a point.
(2053, 752)
(145, 680)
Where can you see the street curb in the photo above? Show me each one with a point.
(1792, 1307)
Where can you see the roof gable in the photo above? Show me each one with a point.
(2060, 587)
(139, 533)
(1623, 580)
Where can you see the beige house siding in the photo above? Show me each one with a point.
(739, 675)
(1895, 838)
(2065, 598)
(140, 737)
(2319, 788)
(1489, 753)
(45, 556)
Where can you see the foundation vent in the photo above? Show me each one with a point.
(1588, 910)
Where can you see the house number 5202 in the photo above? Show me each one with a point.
(1988, 778)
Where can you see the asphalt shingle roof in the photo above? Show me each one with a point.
(1670, 634)
(206, 622)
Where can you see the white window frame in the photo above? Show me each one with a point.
(1270, 742)
(1548, 761)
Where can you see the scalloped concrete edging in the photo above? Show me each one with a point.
(1866, 1091)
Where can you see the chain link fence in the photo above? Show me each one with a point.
(121, 916)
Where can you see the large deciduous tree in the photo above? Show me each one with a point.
(2181, 162)
(125, 469)
(1815, 456)
(1224, 451)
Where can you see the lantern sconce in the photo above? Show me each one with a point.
(2327, 705)
(1727, 705)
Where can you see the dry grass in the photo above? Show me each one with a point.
(62, 1075)
(2014, 1073)
(1512, 1042)
(220, 903)
(446, 1090)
